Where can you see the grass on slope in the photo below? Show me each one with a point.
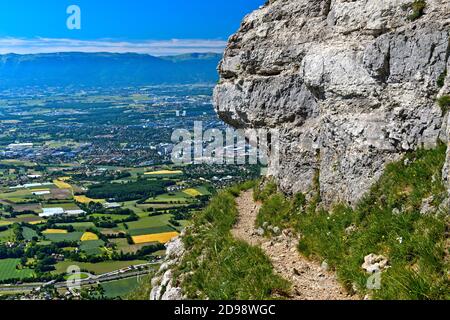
(224, 268)
(388, 222)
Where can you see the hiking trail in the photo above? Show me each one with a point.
(310, 281)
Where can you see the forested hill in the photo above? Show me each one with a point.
(105, 69)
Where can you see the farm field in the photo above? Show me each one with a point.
(64, 205)
(62, 184)
(192, 192)
(27, 218)
(92, 247)
(55, 231)
(125, 247)
(29, 234)
(85, 200)
(96, 268)
(8, 270)
(151, 230)
(172, 198)
(150, 222)
(78, 226)
(60, 237)
(164, 173)
(5, 223)
(121, 219)
(158, 237)
(120, 288)
(5, 235)
(89, 236)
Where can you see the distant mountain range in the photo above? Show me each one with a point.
(106, 69)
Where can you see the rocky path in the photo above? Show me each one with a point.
(310, 281)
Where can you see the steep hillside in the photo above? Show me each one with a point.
(351, 86)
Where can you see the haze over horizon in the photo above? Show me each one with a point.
(148, 27)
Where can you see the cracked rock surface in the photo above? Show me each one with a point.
(350, 86)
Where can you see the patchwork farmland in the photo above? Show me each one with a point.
(56, 221)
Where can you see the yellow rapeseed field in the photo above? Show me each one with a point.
(61, 184)
(84, 199)
(158, 237)
(55, 231)
(161, 172)
(36, 222)
(192, 192)
(87, 236)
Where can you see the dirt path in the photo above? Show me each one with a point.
(309, 280)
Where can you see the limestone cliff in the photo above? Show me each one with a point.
(351, 86)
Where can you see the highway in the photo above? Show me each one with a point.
(111, 276)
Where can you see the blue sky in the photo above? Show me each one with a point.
(145, 26)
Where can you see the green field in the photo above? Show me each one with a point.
(72, 236)
(28, 233)
(120, 288)
(27, 218)
(113, 217)
(8, 270)
(173, 197)
(150, 222)
(6, 235)
(5, 223)
(122, 245)
(17, 196)
(92, 247)
(64, 205)
(78, 226)
(203, 190)
(96, 268)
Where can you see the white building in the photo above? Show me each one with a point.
(20, 146)
(41, 193)
(50, 212)
(74, 212)
(111, 205)
(34, 176)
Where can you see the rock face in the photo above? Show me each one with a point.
(349, 85)
(164, 286)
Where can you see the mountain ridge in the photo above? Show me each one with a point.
(106, 69)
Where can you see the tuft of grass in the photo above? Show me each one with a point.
(441, 79)
(142, 292)
(278, 211)
(444, 103)
(418, 8)
(415, 244)
(220, 267)
(262, 194)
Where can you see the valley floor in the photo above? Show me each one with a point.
(310, 280)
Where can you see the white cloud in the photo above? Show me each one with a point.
(153, 47)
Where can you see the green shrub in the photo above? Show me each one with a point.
(261, 194)
(275, 211)
(444, 103)
(441, 80)
(418, 8)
